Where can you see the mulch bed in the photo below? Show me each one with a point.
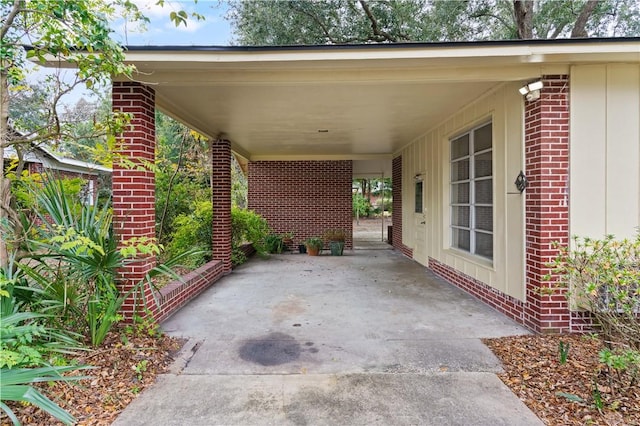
(124, 368)
(533, 372)
(531, 364)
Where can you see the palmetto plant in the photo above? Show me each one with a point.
(25, 342)
(67, 281)
(17, 386)
(75, 259)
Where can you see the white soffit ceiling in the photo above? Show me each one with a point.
(340, 103)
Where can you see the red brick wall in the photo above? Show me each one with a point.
(396, 191)
(547, 204)
(511, 307)
(177, 293)
(303, 197)
(221, 198)
(547, 218)
(134, 190)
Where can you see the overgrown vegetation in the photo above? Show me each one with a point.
(603, 278)
(60, 293)
(184, 212)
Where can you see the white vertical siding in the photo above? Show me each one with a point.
(506, 273)
(605, 150)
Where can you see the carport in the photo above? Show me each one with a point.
(304, 121)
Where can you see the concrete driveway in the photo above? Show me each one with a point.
(368, 338)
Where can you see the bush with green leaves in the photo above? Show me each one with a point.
(603, 277)
(274, 243)
(361, 206)
(248, 226)
(16, 385)
(25, 338)
(193, 230)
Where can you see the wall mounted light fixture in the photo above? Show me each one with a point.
(531, 91)
(521, 181)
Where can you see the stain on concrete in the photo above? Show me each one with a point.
(272, 349)
(288, 308)
(345, 395)
(262, 402)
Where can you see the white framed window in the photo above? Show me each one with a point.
(472, 191)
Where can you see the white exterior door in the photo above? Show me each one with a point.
(420, 220)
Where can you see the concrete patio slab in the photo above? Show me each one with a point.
(367, 338)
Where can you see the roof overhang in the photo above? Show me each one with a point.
(361, 102)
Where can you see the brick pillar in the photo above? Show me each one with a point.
(396, 193)
(133, 189)
(221, 184)
(547, 206)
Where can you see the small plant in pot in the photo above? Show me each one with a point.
(287, 239)
(314, 246)
(335, 238)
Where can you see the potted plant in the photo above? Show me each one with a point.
(287, 238)
(335, 238)
(287, 241)
(314, 246)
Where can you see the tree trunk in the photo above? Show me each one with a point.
(580, 27)
(523, 13)
(5, 184)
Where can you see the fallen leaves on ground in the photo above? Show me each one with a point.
(559, 394)
(124, 367)
(565, 394)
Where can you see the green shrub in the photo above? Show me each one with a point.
(193, 230)
(273, 243)
(361, 206)
(180, 201)
(25, 339)
(16, 385)
(603, 277)
(248, 226)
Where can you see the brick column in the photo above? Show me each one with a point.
(396, 218)
(221, 184)
(547, 205)
(134, 189)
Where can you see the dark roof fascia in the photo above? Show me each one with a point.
(410, 45)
